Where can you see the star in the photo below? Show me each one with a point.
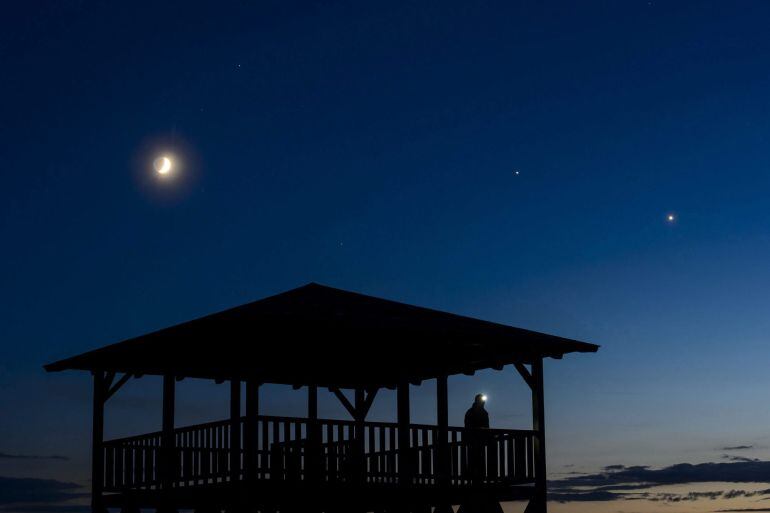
(516, 173)
(670, 218)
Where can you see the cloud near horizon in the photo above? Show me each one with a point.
(737, 510)
(8, 456)
(739, 458)
(31, 495)
(620, 482)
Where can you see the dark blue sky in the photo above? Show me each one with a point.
(372, 146)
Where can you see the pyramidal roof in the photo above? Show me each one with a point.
(319, 335)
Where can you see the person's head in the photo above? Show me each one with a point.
(479, 400)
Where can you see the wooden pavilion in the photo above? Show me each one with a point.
(316, 336)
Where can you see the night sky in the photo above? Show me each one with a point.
(511, 161)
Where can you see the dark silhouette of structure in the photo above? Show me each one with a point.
(316, 336)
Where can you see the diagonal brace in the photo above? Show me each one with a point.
(344, 400)
(525, 374)
(370, 395)
(111, 389)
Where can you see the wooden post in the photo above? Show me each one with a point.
(235, 430)
(442, 421)
(167, 443)
(97, 439)
(312, 402)
(538, 504)
(404, 435)
(251, 431)
(359, 440)
(313, 454)
(442, 444)
(235, 445)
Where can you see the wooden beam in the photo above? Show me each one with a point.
(312, 402)
(359, 442)
(313, 455)
(442, 421)
(167, 443)
(114, 388)
(538, 503)
(443, 456)
(251, 431)
(404, 436)
(235, 430)
(344, 400)
(107, 381)
(97, 442)
(367, 405)
(524, 374)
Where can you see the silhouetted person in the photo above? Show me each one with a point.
(476, 420)
(477, 417)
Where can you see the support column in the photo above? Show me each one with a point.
(405, 471)
(359, 439)
(167, 443)
(313, 435)
(442, 421)
(538, 504)
(235, 430)
(442, 444)
(97, 439)
(251, 431)
(235, 446)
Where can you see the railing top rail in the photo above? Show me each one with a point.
(303, 420)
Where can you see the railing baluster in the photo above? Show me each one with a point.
(422, 451)
(520, 454)
(119, 466)
(222, 453)
(530, 458)
(332, 448)
(450, 457)
(109, 467)
(264, 456)
(369, 467)
(381, 455)
(500, 457)
(275, 457)
(392, 448)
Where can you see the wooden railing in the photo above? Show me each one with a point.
(327, 451)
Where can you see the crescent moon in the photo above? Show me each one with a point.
(162, 165)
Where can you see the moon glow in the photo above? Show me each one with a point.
(162, 165)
